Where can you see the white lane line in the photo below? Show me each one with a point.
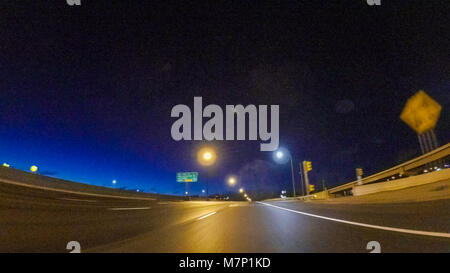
(73, 192)
(73, 199)
(402, 230)
(207, 215)
(129, 208)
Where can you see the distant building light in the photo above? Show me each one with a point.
(6, 165)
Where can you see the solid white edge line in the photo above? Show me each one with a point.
(73, 192)
(204, 216)
(402, 230)
(73, 199)
(129, 208)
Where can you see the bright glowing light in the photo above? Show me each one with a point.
(245, 195)
(279, 154)
(186, 193)
(114, 181)
(241, 190)
(34, 168)
(203, 191)
(6, 165)
(232, 181)
(206, 156)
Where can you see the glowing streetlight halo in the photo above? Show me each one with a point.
(281, 156)
(206, 156)
(231, 180)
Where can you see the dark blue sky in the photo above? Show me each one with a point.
(86, 92)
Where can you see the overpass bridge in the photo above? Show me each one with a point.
(439, 156)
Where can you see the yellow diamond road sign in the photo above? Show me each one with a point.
(421, 112)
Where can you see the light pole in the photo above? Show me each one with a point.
(206, 156)
(280, 156)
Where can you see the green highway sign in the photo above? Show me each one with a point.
(187, 177)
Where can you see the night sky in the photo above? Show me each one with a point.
(86, 92)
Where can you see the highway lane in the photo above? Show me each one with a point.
(259, 228)
(33, 220)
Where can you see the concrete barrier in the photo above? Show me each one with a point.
(403, 183)
(437, 154)
(321, 195)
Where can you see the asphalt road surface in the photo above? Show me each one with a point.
(36, 220)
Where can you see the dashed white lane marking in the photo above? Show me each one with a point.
(129, 208)
(207, 215)
(73, 199)
(402, 230)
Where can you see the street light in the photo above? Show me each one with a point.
(33, 168)
(206, 156)
(114, 181)
(279, 154)
(232, 181)
(241, 190)
(282, 156)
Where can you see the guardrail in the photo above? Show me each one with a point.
(429, 157)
